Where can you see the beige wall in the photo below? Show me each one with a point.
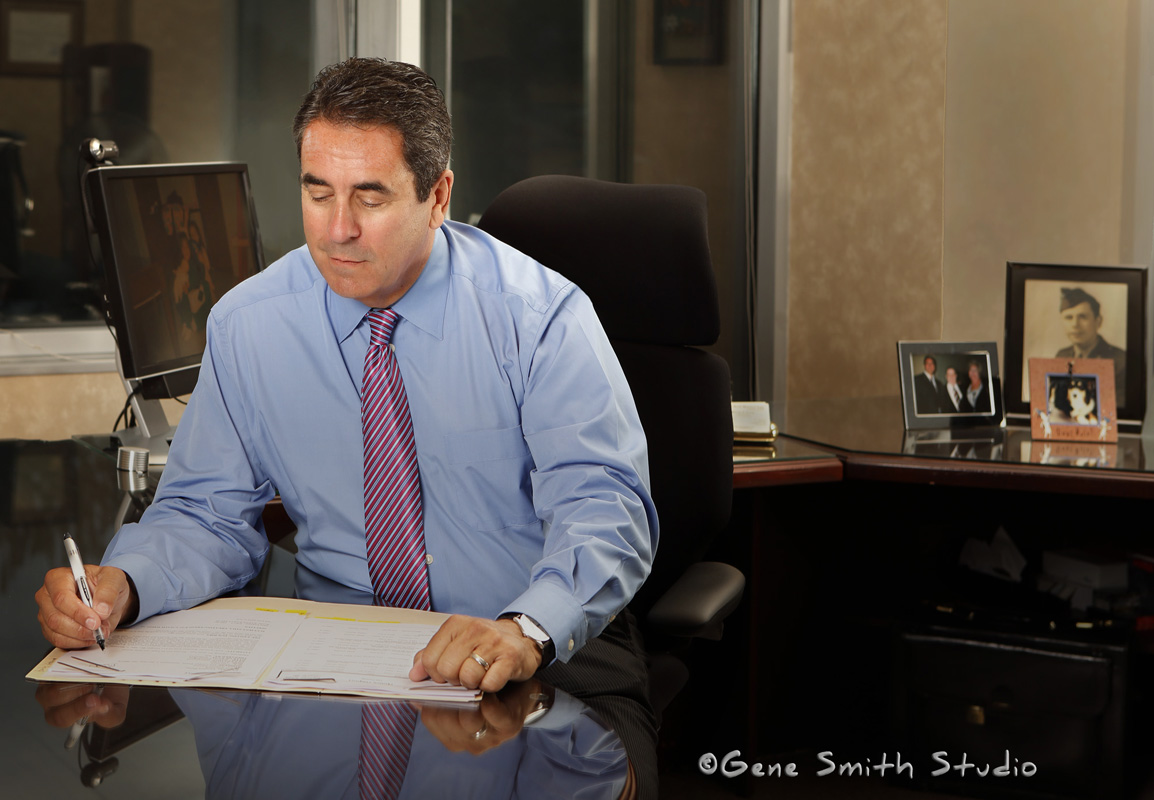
(1035, 157)
(60, 406)
(932, 141)
(865, 228)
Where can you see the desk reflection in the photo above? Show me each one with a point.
(1015, 446)
(530, 740)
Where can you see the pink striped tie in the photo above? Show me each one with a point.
(386, 741)
(394, 531)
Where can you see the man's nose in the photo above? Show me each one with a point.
(343, 224)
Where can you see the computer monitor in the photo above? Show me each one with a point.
(173, 239)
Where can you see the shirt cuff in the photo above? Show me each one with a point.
(555, 610)
(148, 580)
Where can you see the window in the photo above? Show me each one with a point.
(183, 80)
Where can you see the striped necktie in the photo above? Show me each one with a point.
(386, 742)
(394, 530)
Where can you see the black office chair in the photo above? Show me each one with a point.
(641, 253)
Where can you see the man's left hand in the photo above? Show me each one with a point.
(448, 657)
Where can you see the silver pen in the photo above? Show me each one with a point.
(81, 580)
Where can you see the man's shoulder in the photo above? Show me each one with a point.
(488, 266)
(292, 274)
(1107, 350)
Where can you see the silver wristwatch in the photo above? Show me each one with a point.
(531, 630)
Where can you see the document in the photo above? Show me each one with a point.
(266, 643)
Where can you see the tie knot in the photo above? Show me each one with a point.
(381, 324)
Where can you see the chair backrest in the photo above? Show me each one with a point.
(641, 253)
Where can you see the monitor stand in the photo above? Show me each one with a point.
(152, 429)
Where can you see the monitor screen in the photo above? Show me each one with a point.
(174, 238)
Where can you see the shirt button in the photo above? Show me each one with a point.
(428, 558)
(570, 645)
(392, 347)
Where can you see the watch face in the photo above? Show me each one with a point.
(532, 630)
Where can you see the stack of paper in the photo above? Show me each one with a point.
(265, 643)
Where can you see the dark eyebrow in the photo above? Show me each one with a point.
(308, 179)
(373, 186)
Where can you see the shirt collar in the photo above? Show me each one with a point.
(423, 305)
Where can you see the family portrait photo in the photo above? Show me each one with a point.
(948, 382)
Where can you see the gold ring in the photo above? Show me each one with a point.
(484, 664)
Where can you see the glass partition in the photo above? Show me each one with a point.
(184, 80)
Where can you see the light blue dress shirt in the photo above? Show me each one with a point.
(534, 473)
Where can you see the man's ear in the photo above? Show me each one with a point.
(441, 192)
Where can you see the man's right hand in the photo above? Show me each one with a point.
(64, 619)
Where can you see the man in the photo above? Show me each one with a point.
(928, 390)
(534, 523)
(1081, 319)
(955, 396)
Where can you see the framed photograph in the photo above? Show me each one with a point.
(688, 32)
(950, 384)
(33, 34)
(1064, 311)
(1073, 398)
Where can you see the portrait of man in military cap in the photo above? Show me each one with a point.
(1075, 319)
(1081, 316)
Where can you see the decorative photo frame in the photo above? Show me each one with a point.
(1073, 399)
(33, 34)
(1071, 311)
(965, 391)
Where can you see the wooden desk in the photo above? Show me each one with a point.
(867, 435)
(870, 526)
(787, 462)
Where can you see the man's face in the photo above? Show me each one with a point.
(951, 375)
(1082, 325)
(365, 229)
(930, 366)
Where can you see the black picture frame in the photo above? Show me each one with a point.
(688, 32)
(1036, 327)
(939, 412)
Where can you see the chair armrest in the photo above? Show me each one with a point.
(698, 603)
